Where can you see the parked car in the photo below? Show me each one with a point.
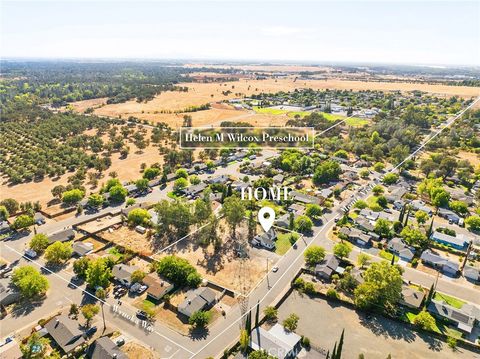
(142, 315)
(120, 342)
(30, 254)
(90, 331)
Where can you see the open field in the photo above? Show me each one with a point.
(129, 238)
(223, 266)
(202, 93)
(128, 169)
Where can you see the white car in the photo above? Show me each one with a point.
(275, 269)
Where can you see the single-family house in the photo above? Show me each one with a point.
(418, 205)
(62, 236)
(278, 178)
(396, 194)
(197, 299)
(65, 332)
(11, 350)
(283, 220)
(398, 247)
(157, 287)
(459, 242)
(266, 239)
(82, 248)
(195, 189)
(355, 235)
(277, 341)
(105, 348)
(222, 179)
(438, 262)
(123, 273)
(364, 224)
(328, 266)
(8, 292)
(412, 297)
(465, 318)
(305, 198)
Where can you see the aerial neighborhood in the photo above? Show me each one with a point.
(117, 241)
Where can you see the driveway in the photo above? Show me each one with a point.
(323, 323)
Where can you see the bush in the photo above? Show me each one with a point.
(138, 216)
(332, 293)
(270, 313)
(200, 319)
(291, 322)
(305, 342)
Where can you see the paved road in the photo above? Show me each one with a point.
(224, 332)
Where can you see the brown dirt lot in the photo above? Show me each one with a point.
(129, 238)
(223, 267)
(134, 351)
(202, 93)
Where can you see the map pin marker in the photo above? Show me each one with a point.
(268, 221)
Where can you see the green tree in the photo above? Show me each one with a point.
(473, 222)
(326, 172)
(95, 200)
(383, 227)
(4, 213)
(234, 211)
(179, 271)
(137, 276)
(118, 193)
(89, 311)
(303, 224)
(98, 274)
(378, 190)
(80, 266)
(313, 210)
(414, 237)
(29, 281)
(270, 313)
(244, 340)
(58, 252)
(180, 184)
(181, 173)
(390, 178)
(291, 322)
(363, 259)
(200, 319)
(421, 217)
(73, 196)
(314, 255)
(11, 205)
(425, 321)
(460, 207)
(23, 221)
(141, 184)
(35, 347)
(39, 242)
(360, 204)
(151, 173)
(342, 249)
(138, 216)
(382, 287)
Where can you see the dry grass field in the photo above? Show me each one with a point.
(202, 93)
(223, 266)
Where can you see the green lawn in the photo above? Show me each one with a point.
(282, 244)
(454, 302)
(387, 255)
(173, 195)
(352, 121)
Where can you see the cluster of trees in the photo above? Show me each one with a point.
(179, 271)
(96, 273)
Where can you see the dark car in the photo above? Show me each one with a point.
(90, 331)
(142, 315)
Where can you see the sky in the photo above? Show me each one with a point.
(408, 32)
